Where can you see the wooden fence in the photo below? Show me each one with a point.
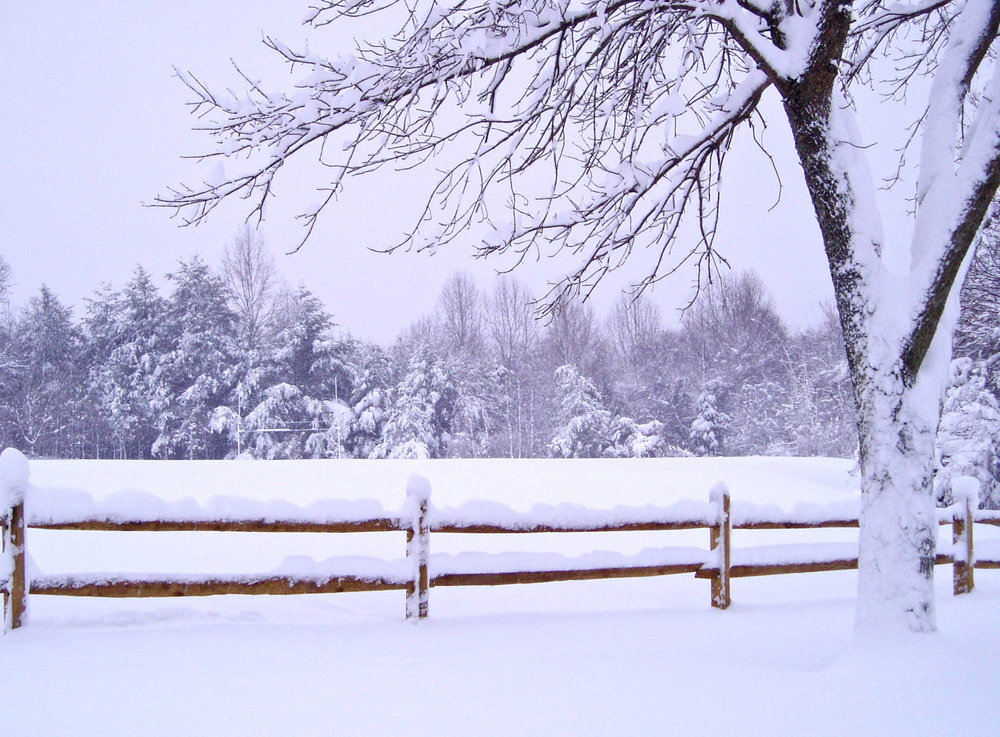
(718, 563)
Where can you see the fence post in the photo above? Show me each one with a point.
(17, 599)
(418, 492)
(721, 533)
(965, 490)
(13, 483)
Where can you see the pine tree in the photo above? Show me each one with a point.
(123, 337)
(710, 426)
(370, 399)
(193, 376)
(43, 402)
(308, 355)
(630, 439)
(422, 411)
(583, 425)
(967, 440)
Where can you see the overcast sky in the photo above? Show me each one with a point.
(95, 124)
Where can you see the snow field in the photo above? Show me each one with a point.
(591, 658)
(628, 657)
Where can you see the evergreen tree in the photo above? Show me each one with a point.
(710, 426)
(370, 399)
(422, 411)
(630, 439)
(307, 354)
(43, 403)
(288, 424)
(968, 434)
(194, 375)
(124, 341)
(583, 426)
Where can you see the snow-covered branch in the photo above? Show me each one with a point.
(959, 166)
(607, 119)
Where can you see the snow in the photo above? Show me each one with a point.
(14, 476)
(59, 505)
(568, 516)
(445, 563)
(773, 555)
(965, 490)
(592, 658)
(627, 656)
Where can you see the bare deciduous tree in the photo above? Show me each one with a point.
(633, 327)
(511, 321)
(514, 334)
(607, 123)
(461, 313)
(249, 274)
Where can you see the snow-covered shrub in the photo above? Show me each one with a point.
(630, 439)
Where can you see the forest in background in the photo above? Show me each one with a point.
(228, 361)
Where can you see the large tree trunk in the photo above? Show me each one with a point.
(897, 411)
(898, 532)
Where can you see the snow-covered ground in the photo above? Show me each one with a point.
(628, 657)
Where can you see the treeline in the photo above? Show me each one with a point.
(229, 363)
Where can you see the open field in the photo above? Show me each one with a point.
(629, 657)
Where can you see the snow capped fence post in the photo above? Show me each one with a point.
(720, 536)
(965, 491)
(418, 492)
(13, 484)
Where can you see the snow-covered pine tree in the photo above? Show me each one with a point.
(287, 424)
(370, 400)
(422, 410)
(276, 427)
(42, 402)
(308, 354)
(583, 423)
(967, 440)
(123, 331)
(710, 426)
(193, 375)
(630, 439)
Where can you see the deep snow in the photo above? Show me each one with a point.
(629, 657)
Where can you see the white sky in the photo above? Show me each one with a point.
(95, 124)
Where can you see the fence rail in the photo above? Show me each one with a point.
(416, 576)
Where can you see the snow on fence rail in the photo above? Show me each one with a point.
(419, 571)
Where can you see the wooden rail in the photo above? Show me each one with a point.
(376, 524)
(417, 578)
(209, 586)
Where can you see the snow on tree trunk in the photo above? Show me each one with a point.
(898, 523)
(899, 369)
